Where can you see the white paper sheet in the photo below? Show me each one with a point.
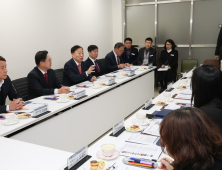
(28, 108)
(183, 96)
(186, 91)
(86, 83)
(163, 69)
(172, 107)
(140, 151)
(153, 129)
(142, 139)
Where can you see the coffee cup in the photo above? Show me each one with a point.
(62, 97)
(141, 117)
(96, 84)
(120, 74)
(10, 117)
(108, 149)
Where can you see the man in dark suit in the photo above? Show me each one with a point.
(91, 60)
(7, 89)
(113, 60)
(130, 53)
(75, 70)
(42, 79)
(147, 55)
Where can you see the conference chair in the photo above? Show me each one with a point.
(212, 62)
(59, 74)
(21, 87)
(102, 61)
(187, 65)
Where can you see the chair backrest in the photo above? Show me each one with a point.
(21, 88)
(212, 62)
(188, 64)
(102, 61)
(59, 74)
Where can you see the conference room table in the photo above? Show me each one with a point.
(77, 123)
(55, 157)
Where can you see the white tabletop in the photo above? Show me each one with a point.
(25, 156)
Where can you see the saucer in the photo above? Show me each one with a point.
(6, 123)
(144, 123)
(128, 129)
(100, 155)
(62, 101)
(96, 87)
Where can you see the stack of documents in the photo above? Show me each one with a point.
(163, 69)
(85, 84)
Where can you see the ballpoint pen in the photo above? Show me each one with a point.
(66, 89)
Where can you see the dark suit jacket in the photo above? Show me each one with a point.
(219, 43)
(111, 63)
(37, 85)
(152, 56)
(7, 89)
(132, 58)
(71, 75)
(89, 62)
(173, 59)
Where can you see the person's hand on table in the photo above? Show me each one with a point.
(16, 104)
(90, 70)
(166, 164)
(216, 57)
(93, 79)
(128, 65)
(142, 65)
(169, 67)
(163, 66)
(64, 89)
(121, 66)
(220, 65)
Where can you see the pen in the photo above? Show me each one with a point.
(184, 104)
(138, 164)
(142, 161)
(66, 89)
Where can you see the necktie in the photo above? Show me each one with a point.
(97, 67)
(79, 67)
(118, 60)
(46, 77)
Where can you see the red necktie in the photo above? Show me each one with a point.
(118, 60)
(46, 77)
(97, 67)
(79, 67)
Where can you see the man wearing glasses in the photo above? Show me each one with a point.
(42, 79)
(113, 60)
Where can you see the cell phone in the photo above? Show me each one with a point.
(150, 116)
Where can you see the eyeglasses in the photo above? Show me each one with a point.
(50, 60)
(121, 50)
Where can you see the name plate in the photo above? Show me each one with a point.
(80, 94)
(148, 103)
(78, 156)
(40, 110)
(118, 127)
(131, 72)
(111, 81)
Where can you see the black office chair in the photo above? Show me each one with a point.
(59, 74)
(21, 88)
(102, 61)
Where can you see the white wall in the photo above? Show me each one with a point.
(28, 26)
(117, 19)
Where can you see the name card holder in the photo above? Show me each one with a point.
(118, 129)
(148, 104)
(40, 111)
(78, 159)
(81, 94)
(111, 81)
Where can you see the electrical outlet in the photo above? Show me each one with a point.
(220, 25)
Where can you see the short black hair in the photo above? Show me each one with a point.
(128, 39)
(2, 59)
(40, 56)
(118, 45)
(149, 39)
(92, 47)
(74, 48)
(171, 42)
(206, 84)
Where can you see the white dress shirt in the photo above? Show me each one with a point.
(1, 83)
(56, 90)
(116, 57)
(80, 66)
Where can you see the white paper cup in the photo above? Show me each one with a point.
(96, 84)
(10, 117)
(108, 149)
(141, 117)
(120, 74)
